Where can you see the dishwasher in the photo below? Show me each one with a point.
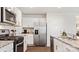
(51, 44)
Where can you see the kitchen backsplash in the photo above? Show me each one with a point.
(4, 31)
(6, 27)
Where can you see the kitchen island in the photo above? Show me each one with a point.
(61, 44)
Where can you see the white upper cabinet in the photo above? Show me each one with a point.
(33, 20)
(18, 17)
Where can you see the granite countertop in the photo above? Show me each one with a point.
(5, 43)
(71, 42)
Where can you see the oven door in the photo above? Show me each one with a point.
(19, 47)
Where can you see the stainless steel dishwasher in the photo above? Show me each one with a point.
(51, 44)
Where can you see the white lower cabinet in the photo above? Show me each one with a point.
(60, 46)
(7, 48)
(30, 39)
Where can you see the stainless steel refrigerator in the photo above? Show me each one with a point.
(40, 34)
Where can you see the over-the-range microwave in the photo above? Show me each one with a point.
(7, 16)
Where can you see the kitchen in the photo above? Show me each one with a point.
(39, 29)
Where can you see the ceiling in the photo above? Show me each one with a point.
(44, 10)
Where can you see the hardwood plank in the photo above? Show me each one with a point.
(38, 49)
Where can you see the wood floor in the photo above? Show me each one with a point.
(38, 49)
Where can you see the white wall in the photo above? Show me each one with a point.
(54, 25)
(70, 23)
(57, 22)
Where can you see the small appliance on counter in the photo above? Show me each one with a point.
(24, 31)
(28, 30)
(64, 34)
(12, 32)
(77, 34)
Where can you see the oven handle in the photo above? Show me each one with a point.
(19, 43)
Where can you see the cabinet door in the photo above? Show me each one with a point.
(58, 46)
(30, 39)
(18, 17)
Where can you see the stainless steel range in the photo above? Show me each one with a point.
(18, 40)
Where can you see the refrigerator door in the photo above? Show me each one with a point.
(42, 35)
(36, 40)
(36, 37)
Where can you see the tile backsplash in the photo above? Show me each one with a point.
(6, 27)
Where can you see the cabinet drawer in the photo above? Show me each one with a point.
(68, 48)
